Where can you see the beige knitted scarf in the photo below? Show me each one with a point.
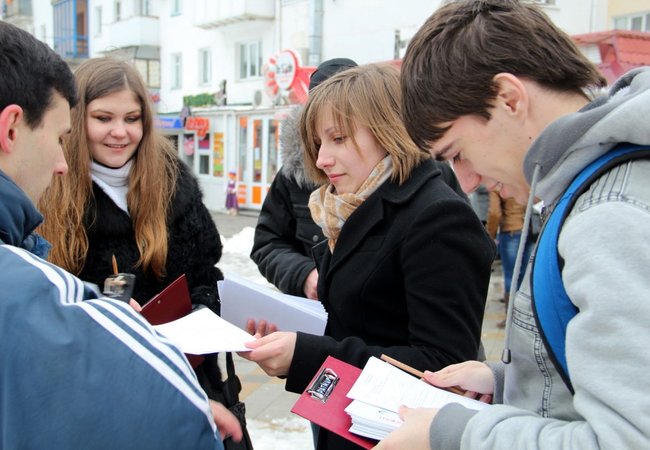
(330, 211)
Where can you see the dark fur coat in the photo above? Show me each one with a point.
(194, 244)
(194, 249)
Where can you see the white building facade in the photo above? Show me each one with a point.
(223, 73)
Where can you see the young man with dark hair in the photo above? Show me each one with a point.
(496, 88)
(74, 373)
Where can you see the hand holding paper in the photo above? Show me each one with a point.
(202, 332)
(273, 353)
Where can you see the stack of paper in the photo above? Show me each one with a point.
(242, 300)
(382, 388)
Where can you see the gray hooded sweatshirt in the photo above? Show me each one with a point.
(605, 245)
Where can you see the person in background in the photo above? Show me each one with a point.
(479, 199)
(505, 221)
(525, 113)
(406, 263)
(285, 231)
(232, 203)
(129, 195)
(74, 373)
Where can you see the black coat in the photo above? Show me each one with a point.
(408, 277)
(194, 247)
(285, 234)
(193, 239)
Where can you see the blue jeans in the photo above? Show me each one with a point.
(508, 245)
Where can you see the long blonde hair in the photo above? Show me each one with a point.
(152, 181)
(369, 96)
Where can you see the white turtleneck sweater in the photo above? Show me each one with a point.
(114, 182)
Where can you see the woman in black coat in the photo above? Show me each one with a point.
(406, 265)
(128, 195)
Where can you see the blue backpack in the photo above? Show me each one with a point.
(551, 305)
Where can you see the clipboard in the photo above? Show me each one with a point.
(171, 303)
(325, 399)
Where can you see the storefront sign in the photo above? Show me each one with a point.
(283, 75)
(286, 67)
(169, 123)
(199, 124)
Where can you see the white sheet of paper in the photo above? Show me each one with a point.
(242, 300)
(388, 387)
(202, 332)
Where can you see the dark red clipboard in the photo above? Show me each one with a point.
(330, 414)
(171, 303)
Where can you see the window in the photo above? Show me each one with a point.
(98, 20)
(205, 73)
(150, 71)
(118, 10)
(177, 71)
(177, 7)
(634, 22)
(143, 8)
(203, 153)
(250, 60)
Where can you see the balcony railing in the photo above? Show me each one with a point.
(218, 13)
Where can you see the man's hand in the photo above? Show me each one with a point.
(273, 353)
(311, 285)
(227, 423)
(414, 433)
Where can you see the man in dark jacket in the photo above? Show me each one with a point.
(73, 373)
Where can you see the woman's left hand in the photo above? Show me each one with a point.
(260, 328)
(273, 353)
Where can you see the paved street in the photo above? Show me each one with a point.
(271, 424)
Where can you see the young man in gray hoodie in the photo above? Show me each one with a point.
(496, 88)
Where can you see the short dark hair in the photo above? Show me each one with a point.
(30, 72)
(450, 63)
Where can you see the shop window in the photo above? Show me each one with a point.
(203, 152)
(217, 155)
(272, 155)
(188, 149)
(243, 149)
(257, 150)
